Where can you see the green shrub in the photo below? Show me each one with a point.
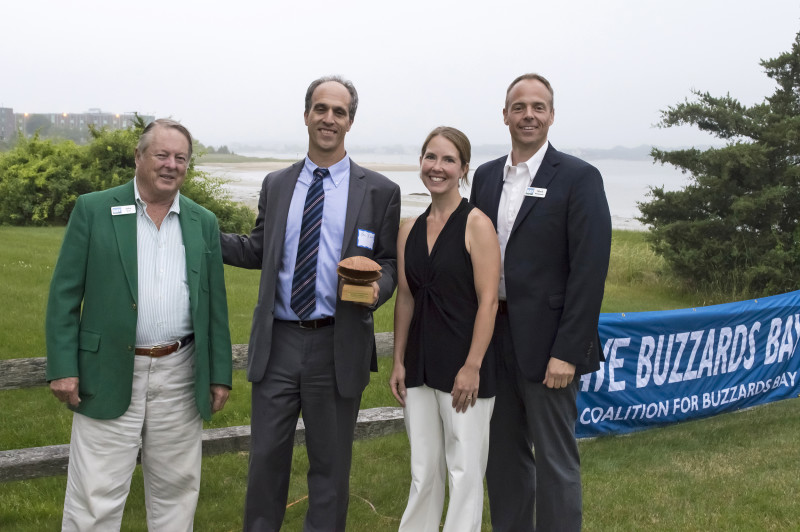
(207, 190)
(40, 180)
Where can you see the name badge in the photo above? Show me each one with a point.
(366, 239)
(536, 192)
(123, 209)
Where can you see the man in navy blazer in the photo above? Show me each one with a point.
(318, 364)
(554, 227)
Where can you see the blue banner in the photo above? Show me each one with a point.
(671, 366)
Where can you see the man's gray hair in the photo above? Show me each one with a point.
(147, 134)
(338, 79)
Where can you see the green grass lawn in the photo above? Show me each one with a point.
(731, 472)
(27, 257)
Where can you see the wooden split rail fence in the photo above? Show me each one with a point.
(34, 462)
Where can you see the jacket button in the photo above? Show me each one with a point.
(130, 348)
(133, 306)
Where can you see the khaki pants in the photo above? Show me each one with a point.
(163, 418)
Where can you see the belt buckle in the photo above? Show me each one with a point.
(306, 324)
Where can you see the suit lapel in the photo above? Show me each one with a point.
(545, 174)
(193, 246)
(278, 201)
(355, 196)
(496, 189)
(125, 231)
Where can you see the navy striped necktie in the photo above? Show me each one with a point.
(304, 282)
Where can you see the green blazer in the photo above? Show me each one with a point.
(92, 308)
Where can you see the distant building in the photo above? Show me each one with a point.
(10, 121)
(8, 126)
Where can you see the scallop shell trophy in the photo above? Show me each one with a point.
(359, 269)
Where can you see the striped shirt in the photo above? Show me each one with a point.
(164, 314)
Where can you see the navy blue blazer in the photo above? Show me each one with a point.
(556, 261)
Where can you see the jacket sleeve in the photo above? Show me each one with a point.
(247, 251)
(62, 320)
(218, 329)
(386, 252)
(589, 247)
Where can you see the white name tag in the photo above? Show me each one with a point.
(536, 192)
(366, 239)
(123, 209)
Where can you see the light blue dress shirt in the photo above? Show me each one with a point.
(330, 241)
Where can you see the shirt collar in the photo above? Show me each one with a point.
(176, 206)
(534, 162)
(337, 171)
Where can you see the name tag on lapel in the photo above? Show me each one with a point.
(366, 239)
(123, 209)
(536, 192)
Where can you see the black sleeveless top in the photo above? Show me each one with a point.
(445, 304)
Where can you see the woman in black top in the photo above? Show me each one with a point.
(443, 374)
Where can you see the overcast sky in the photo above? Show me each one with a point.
(236, 71)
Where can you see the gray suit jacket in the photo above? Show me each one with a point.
(373, 204)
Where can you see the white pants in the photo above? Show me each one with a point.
(162, 416)
(443, 440)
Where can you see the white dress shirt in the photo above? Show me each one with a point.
(516, 180)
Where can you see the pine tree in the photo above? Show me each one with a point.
(735, 227)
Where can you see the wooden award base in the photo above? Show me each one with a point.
(358, 293)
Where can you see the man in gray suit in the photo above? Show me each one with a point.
(309, 350)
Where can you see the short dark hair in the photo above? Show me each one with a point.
(534, 76)
(338, 79)
(147, 134)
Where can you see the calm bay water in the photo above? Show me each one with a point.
(626, 183)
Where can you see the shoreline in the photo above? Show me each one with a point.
(246, 191)
(271, 166)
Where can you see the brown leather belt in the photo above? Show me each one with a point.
(502, 307)
(311, 324)
(164, 350)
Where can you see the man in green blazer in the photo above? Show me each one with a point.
(137, 339)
